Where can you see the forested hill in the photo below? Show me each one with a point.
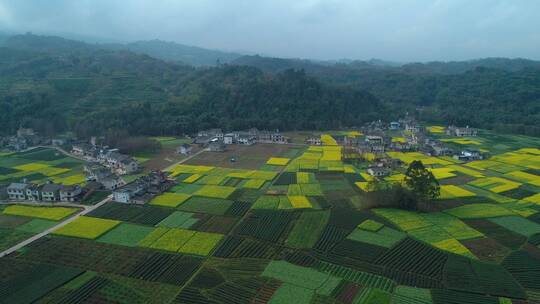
(54, 84)
(494, 93)
(99, 91)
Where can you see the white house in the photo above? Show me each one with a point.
(33, 192)
(314, 141)
(228, 139)
(378, 171)
(17, 191)
(128, 192)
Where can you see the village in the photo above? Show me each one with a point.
(105, 167)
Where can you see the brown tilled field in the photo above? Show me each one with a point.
(247, 157)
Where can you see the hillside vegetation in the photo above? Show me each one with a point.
(54, 84)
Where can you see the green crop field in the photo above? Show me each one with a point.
(40, 165)
(126, 234)
(288, 225)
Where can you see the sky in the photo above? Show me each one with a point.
(395, 30)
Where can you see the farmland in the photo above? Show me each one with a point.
(286, 224)
(40, 165)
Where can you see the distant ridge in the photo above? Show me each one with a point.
(172, 51)
(168, 51)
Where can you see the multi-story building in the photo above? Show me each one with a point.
(17, 191)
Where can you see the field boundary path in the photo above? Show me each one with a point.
(185, 159)
(44, 204)
(87, 209)
(66, 153)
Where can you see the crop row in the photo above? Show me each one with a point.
(414, 257)
(237, 291)
(146, 215)
(268, 226)
(524, 267)
(32, 281)
(474, 276)
(358, 251)
(362, 278)
(166, 268)
(330, 236)
(239, 247)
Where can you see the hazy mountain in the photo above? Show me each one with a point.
(273, 65)
(168, 51)
(171, 51)
(457, 67)
(47, 44)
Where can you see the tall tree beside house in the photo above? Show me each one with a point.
(422, 182)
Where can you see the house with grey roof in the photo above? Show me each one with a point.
(17, 191)
(51, 192)
(70, 193)
(216, 146)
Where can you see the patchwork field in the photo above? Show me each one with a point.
(287, 224)
(246, 157)
(40, 165)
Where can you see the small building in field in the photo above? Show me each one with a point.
(246, 139)
(216, 146)
(461, 132)
(17, 191)
(271, 137)
(184, 149)
(394, 126)
(378, 171)
(469, 155)
(126, 194)
(466, 132)
(202, 140)
(70, 193)
(212, 133)
(120, 163)
(85, 150)
(374, 140)
(112, 182)
(51, 192)
(96, 172)
(440, 150)
(143, 189)
(228, 138)
(33, 192)
(314, 141)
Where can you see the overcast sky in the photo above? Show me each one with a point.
(399, 30)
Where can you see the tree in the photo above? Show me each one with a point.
(422, 182)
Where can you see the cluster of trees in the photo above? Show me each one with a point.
(54, 85)
(417, 193)
(497, 93)
(106, 91)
